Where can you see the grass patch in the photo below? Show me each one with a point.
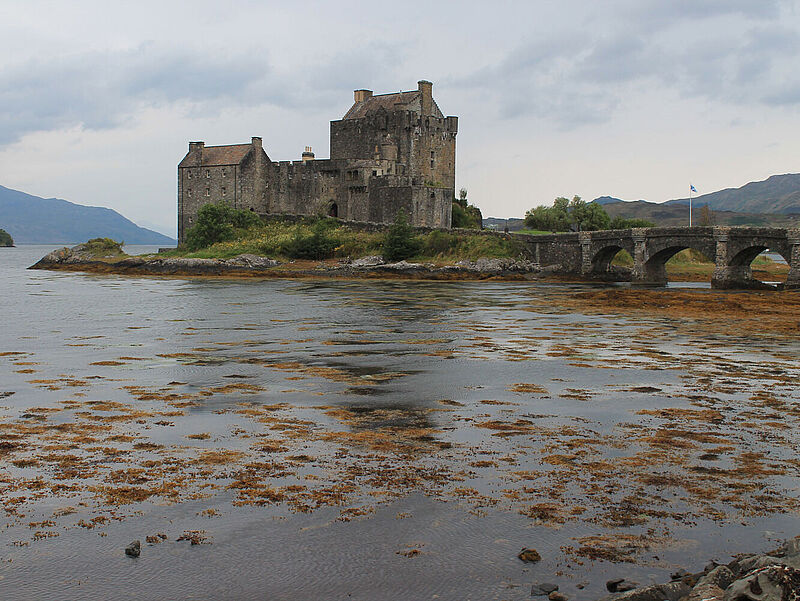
(328, 238)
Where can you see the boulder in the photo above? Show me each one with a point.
(252, 261)
(706, 592)
(771, 583)
(756, 562)
(541, 589)
(134, 549)
(370, 261)
(673, 591)
(721, 576)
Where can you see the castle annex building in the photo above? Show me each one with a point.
(388, 152)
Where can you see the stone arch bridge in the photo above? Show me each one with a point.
(732, 249)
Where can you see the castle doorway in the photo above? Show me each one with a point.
(333, 211)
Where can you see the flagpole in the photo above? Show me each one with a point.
(690, 205)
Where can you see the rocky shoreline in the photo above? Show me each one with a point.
(771, 576)
(78, 258)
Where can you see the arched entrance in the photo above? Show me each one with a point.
(333, 210)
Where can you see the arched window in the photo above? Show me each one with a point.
(333, 211)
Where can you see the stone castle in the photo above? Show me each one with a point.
(389, 152)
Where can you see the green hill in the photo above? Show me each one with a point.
(779, 194)
(773, 202)
(6, 239)
(34, 220)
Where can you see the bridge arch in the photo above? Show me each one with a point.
(603, 258)
(660, 245)
(738, 271)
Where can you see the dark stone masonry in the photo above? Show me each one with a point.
(389, 152)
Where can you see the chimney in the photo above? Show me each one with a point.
(196, 146)
(362, 95)
(307, 154)
(256, 141)
(426, 94)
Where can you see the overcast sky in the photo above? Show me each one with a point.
(630, 98)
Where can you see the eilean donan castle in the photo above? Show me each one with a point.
(389, 152)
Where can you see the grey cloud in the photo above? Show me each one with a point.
(101, 90)
(585, 80)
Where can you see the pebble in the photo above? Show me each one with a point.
(530, 555)
(556, 596)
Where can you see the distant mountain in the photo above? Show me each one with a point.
(670, 214)
(776, 194)
(772, 202)
(34, 220)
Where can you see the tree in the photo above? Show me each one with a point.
(400, 243)
(216, 223)
(706, 216)
(566, 215)
(464, 214)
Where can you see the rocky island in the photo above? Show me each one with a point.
(5, 239)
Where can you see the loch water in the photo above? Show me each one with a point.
(332, 439)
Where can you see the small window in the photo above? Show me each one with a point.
(208, 191)
(189, 193)
(208, 173)
(188, 174)
(431, 154)
(223, 191)
(374, 172)
(225, 174)
(431, 164)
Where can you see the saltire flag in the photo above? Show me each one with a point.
(692, 188)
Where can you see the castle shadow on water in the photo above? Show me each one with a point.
(389, 152)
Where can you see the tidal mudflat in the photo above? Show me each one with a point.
(382, 439)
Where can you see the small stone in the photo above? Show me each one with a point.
(134, 549)
(679, 574)
(543, 588)
(556, 596)
(620, 585)
(529, 555)
(611, 585)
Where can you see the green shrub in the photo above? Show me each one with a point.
(217, 223)
(621, 223)
(319, 245)
(400, 243)
(438, 243)
(104, 246)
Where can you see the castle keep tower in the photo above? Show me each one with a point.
(389, 152)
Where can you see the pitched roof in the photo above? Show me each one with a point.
(387, 102)
(217, 155)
